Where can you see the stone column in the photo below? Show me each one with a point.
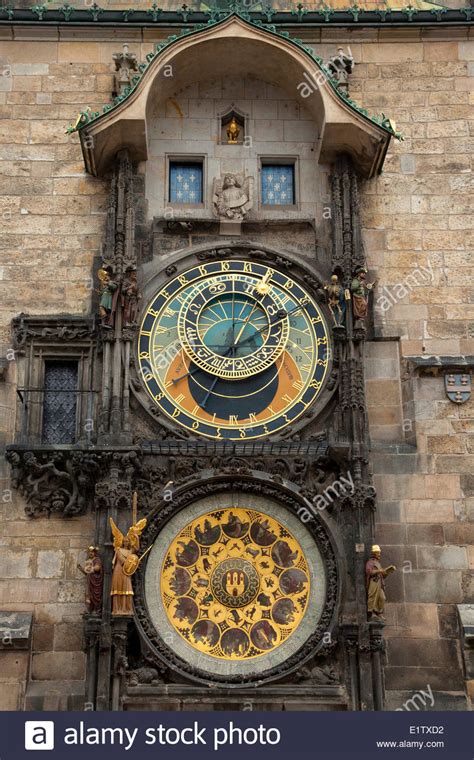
(351, 428)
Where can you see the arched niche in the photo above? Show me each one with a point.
(233, 46)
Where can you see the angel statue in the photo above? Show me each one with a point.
(125, 564)
(233, 196)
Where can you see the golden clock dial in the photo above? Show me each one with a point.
(233, 350)
(235, 584)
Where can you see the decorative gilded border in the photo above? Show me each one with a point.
(257, 484)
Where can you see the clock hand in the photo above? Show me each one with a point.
(270, 324)
(206, 397)
(245, 323)
(198, 369)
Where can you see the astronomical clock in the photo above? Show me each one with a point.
(233, 350)
(234, 353)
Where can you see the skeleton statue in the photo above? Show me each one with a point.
(233, 196)
(336, 298)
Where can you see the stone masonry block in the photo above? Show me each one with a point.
(64, 666)
(50, 564)
(15, 563)
(442, 587)
(442, 557)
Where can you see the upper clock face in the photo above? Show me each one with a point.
(233, 350)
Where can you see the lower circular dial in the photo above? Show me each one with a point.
(235, 583)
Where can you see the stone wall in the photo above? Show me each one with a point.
(418, 213)
(276, 127)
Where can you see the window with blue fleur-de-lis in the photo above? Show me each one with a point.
(278, 184)
(186, 181)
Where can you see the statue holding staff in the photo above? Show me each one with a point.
(125, 563)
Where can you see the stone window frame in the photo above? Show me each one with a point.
(34, 352)
(47, 365)
(292, 160)
(184, 158)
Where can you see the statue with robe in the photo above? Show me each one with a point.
(375, 576)
(130, 299)
(93, 570)
(125, 563)
(233, 196)
(108, 291)
(360, 290)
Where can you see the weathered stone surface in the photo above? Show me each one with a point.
(15, 630)
(43, 638)
(425, 534)
(10, 696)
(429, 511)
(414, 678)
(448, 621)
(50, 564)
(422, 652)
(412, 620)
(426, 701)
(14, 666)
(15, 563)
(68, 637)
(442, 557)
(61, 666)
(433, 586)
(54, 695)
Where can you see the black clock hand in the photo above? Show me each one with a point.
(240, 343)
(206, 397)
(198, 369)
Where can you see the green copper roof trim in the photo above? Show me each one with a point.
(88, 116)
(355, 15)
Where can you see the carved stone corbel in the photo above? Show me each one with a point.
(54, 482)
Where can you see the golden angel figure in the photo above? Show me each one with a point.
(124, 564)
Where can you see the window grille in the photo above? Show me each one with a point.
(278, 185)
(186, 181)
(60, 402)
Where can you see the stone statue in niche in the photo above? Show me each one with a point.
(375, 576)
(108, 292)
(337, 297)
(125, 564)
(126, 65)
(360, 290)
(233, 132)
(340, 66)
(93, 570)
(130, 299)
(232, 196)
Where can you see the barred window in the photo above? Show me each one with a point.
(278, 184)
(60, 402)
(186, 182)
